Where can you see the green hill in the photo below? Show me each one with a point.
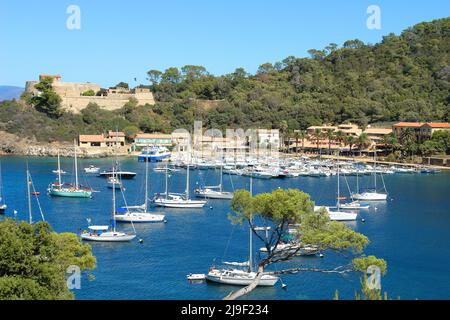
(403, 77)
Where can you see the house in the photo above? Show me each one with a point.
(152, 139)
(112, 139)
(421, 130)
(376, 135)
(92, 141)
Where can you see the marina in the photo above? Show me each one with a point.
(194, 239)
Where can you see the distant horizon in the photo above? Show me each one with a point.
(118, 43)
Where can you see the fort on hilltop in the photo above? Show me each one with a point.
(74, 98)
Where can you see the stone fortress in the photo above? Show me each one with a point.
(74, 101)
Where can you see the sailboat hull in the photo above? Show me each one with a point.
(108, 237)
(189, 204)
(241, 279)
(141, 217)
(370, 196)
(71, 194)
(214, 195)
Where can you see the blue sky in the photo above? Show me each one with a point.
(121, 40)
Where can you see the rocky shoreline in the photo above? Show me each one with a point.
(13, 145)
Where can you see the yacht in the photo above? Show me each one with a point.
(91, 169)
(139, 214)
(239, 277)
(176, 200)
(215, 192)
(154, 154)
(105, 233)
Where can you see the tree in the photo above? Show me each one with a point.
(265, 68)
(154, 76)
(47, 101)
(408, 142)
(171, 76)
(280, 209)
(390, 141)
(317, 135)
(123, 85)
(193, 72)
(363, 141)
(351, 140)
(89, 93)
(330, 137)
(34, 260)
(130, 132)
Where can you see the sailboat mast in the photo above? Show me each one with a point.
(114, 199)
(146, 185)
(59, 170)
(30, 215)
(338, 186)
(221, 177)
(167, 182)
(375, 169)
(187, 183)
(76, 164)
(250, 256)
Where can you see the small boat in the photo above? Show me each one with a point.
(196, 277)
(115, 183)
(91, 169)
(354, 205)
(3, 205)
(35, 193)
(60, 171)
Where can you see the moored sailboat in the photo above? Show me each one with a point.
(105, 233)
(140, 214)
(60, 189)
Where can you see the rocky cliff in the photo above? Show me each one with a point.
(11, 144)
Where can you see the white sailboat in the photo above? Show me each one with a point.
(373, 195)
(336, 214)
(215, 192)
(105, 233)
(175, 200)
(29, 193)
(239, 277)
(140, 214)
(3, 205)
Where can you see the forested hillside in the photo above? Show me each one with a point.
(403, 77)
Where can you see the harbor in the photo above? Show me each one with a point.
(155, 264)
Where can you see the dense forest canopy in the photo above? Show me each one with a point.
(402, 78)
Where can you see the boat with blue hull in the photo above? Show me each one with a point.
(154, 154)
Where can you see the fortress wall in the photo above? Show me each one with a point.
(114, 102)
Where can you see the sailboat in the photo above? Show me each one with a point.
(215, 192)
(3, 205)
(336, 214)
(140, 213)
(60, 189)
(29, 194)
(105, 233)
(240, 277)
(372, 195)
(176, 200)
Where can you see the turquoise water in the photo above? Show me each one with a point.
(411, 231)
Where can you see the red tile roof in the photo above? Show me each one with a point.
(438, 124)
